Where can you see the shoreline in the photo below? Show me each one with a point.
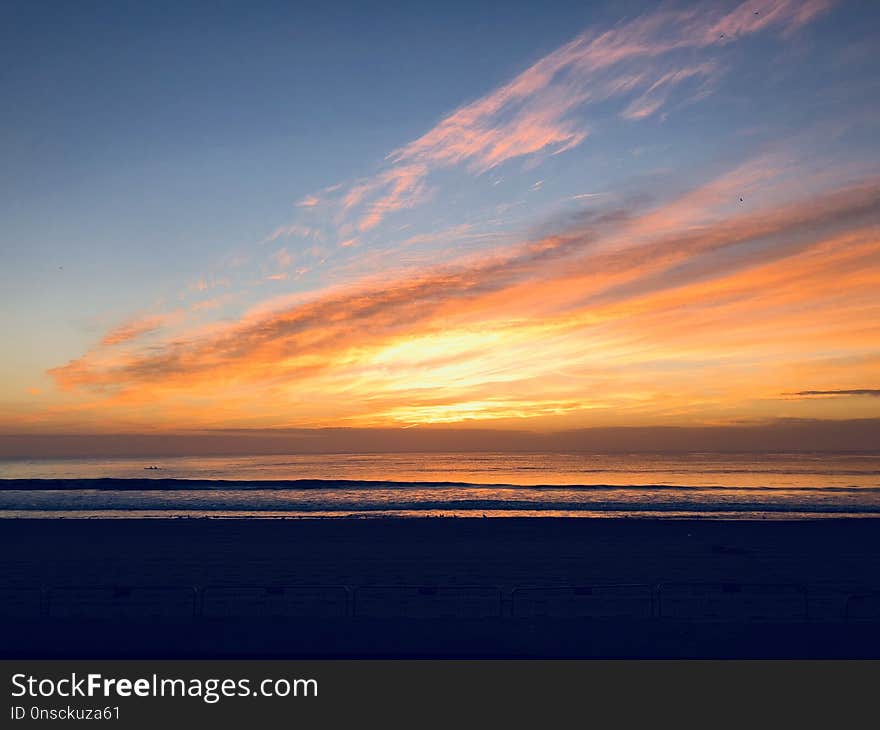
(183, 484)
(117, 498)
(584, 515)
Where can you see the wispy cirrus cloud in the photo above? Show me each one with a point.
(545, 109)
(309, 201)
(656, 95)
(138, 327)
(649, 305)
(552, 317)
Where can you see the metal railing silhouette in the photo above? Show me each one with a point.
(730, 601)
(863, 607)
(438, 601)
(583, 601)
(667, 601)
(121, 602)
(282, 601)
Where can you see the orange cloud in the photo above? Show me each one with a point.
(685, 322)
(138, 327)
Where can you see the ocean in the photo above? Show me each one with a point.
(705, 485)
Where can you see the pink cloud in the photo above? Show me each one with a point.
(535, 113)
(656, 94)
(283, 258)
(310, 201)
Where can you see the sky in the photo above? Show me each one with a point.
(528, 216)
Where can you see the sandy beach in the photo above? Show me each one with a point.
(812, 567)
(499, 552)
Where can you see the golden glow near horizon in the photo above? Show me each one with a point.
(587, 338)
(749, 295)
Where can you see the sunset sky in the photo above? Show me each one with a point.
(538, 216)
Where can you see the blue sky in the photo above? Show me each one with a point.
(174, 169)
(143, 138)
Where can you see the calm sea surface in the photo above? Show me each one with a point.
(744, 486)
